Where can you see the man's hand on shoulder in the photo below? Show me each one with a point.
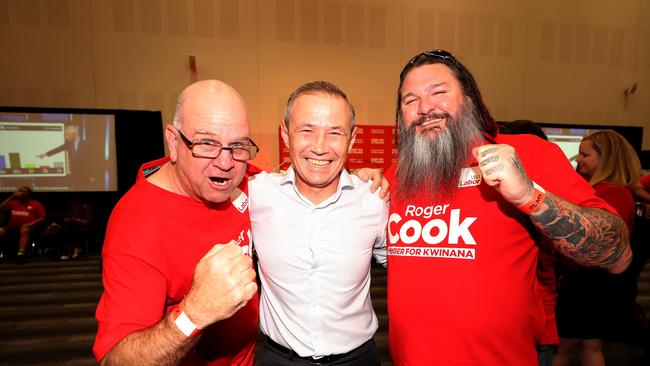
(378, 180)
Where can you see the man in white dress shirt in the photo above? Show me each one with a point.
(315, 229)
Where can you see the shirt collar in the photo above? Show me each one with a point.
(345, 183)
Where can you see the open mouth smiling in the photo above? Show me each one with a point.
(319, 163)
(433, 121)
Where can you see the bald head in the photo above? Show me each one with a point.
(207, 97)
(71, 132)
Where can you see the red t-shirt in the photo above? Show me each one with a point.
(462, 286)
(153, 241)
(547, 280)
(619, 197)
(24, 213)
(645, 182)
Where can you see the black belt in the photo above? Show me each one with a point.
(313, 360)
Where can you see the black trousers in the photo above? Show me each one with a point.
(273, 354)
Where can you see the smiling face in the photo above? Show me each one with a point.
(211, 111)
(429, 97)
(319, 138)
(588, 159)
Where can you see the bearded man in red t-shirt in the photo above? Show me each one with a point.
(466, 205)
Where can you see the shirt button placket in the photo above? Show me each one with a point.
(313, 288)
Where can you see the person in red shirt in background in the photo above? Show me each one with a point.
(465, 202)
(546, 275)
(173, 294)
(25, 214)
(641, 189)
(641, 233)
(593, 303)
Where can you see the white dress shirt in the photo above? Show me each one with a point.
(314, 262)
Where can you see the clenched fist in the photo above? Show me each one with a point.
(224, 281)
(502, 169)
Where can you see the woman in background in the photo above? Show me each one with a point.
(591, 302)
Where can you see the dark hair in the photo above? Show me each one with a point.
(316, 87)
(520, 126)
(464, 77)
(26, 188)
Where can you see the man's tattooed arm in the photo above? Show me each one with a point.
(589, 236)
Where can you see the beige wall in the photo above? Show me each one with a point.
(545, 60)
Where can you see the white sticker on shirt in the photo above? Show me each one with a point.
(470, 177)
(248, 248)
(240, 201)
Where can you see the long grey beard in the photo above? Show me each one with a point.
(433, 165)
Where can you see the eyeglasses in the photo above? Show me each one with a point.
(445, 55)
(210, 149)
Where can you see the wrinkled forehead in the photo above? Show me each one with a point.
(322, 106)
(426, 74)
(217, 124)
(216, 114)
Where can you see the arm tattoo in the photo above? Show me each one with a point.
(587, 235)
(516, 163)
(489, 160)
(488, 151)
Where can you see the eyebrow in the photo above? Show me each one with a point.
(312, 125)
(427, 88)
(212, 136)
(435, 85)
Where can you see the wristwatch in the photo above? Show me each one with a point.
(184, 324)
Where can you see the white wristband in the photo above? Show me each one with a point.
(185, 325)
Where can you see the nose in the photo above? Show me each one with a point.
(319, 145)
(224, 160)
(425, 106)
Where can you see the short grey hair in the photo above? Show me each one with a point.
(318, 87)
(178, 113)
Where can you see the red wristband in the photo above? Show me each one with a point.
(535, 202)
(183, 323)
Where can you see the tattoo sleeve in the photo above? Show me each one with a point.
(589, 236)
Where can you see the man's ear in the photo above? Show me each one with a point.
(353, 137)
(284, 132)
(172, 142)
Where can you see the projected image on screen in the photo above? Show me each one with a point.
(568, 140)
(57, 152)
(18, 161)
